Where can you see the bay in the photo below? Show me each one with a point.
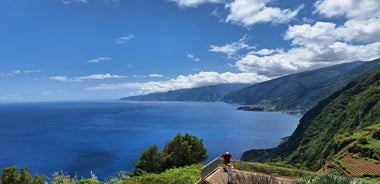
(106, 137)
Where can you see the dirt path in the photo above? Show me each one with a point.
(243, 177)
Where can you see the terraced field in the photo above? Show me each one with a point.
(359, 167)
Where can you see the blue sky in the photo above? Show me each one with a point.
(53, 50)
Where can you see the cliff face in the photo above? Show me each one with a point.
(326, 130)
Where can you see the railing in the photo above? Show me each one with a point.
(209, 168)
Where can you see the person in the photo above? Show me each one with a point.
(229, 173)
(226, 159)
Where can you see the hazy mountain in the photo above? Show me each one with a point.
(342, 129)
(206, 94)
(301, 91)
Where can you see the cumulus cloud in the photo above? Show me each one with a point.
(348, 8)
(246, 12)
(250, 12)
(182, 82)
(194, 3)
(124, 39)
(73, 1)
(192, 57)
(266, 52)
(86, 78)
(231, 49)
(323, 45)
(99, 60)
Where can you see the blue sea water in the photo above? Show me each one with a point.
(106, 137)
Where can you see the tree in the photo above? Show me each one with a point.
(180, 151)
(25, 177)
(184, 150)
(10, 175)
(150, 161)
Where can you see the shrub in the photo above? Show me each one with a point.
(150, 161)
(10, 175)
(180, 151)
(184, 150)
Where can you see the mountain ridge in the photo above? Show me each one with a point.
(340, 129)
(212, 93)
(296, 92)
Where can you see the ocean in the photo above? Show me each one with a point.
(105, 137)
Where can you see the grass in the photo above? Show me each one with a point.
(184, 175)
(272, 170)
(373, 144)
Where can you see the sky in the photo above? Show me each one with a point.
(57, 50)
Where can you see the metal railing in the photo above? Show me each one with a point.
(209, 168)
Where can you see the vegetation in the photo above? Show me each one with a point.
(341, 129)
(355, 107)
(302, 91)
(11, 175)
(272, 170)
(181, 151)
(183, 175)
(201, 94)
(328, 179)
(294, 93)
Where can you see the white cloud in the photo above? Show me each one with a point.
(155, 75)
(99, 60)
(363, 24)
(192, 57)
(231, 49)
(266, 52)
(124, 39)
(250, 12)
(246, 12)
(360, 30)
(194, 3)
(348, 8)
(182, 82)
(87, 77)
(73, 1)
(324, 44)
(18, 72)
(60, 78)
(31, 71)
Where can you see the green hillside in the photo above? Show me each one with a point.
(341, 129)
(211, 93)
(300, 92)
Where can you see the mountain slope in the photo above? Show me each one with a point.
(344, 125)
(299, 92)
(207, 94)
